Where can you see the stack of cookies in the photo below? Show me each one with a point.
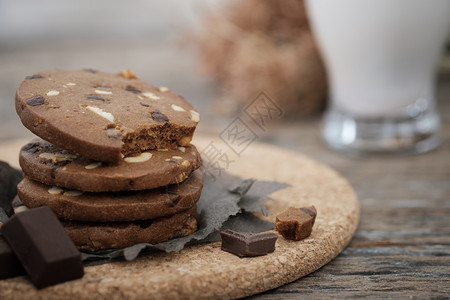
(115, 163)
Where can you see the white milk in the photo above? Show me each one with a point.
(380, 54)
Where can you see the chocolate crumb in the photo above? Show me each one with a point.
(35, 101)
(95, 97)
(143, 104)
(31, 147)
(132, 89)
(159, 117)
(34, 76)
(91, 70)
(131, 183)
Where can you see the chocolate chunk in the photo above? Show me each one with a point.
(43, 247)
(31, 147)
(35, 101)
(95, 97)
(9, 178)
(159, 117)
(143, 104)
(296, 223)
(3, 216)
(247, 243)
(34, 76)
(132, 89)
(10, 265)
(113, 133)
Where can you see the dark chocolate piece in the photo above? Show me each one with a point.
(43, 247)
(159, 117)
(9, 178)
(247, 243)
(91, 70)
(296, 223)
(34, 76)
(3, 216)
(95, 97)
(132, 89)
(10, 266)
(35, 101)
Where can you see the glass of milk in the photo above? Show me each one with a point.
(381, 57)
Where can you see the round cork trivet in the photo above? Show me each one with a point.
(205, 271)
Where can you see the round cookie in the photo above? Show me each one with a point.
(113, 206)
(101, 115)
(46, 163)
(97, 236)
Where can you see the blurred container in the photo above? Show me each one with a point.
(381, 58)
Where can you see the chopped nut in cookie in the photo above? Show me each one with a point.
(102, 92)
(128, 74)
(93, 165)
(150, 95)
(52, 93)
(58, 156)
(113, 133)
(144, 156)
(101, 113)
(73, 193)
(54, 190)
(185, 141)
(195, 116)
(177, 108)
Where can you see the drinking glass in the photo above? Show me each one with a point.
(381, 57)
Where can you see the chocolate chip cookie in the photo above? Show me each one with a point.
(97, 236)
(103, 116)
(48, 164)
(113, 206)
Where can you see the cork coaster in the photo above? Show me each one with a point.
(205, 271)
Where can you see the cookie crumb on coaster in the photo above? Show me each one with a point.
(296, 223)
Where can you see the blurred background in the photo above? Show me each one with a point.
(218, 54)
